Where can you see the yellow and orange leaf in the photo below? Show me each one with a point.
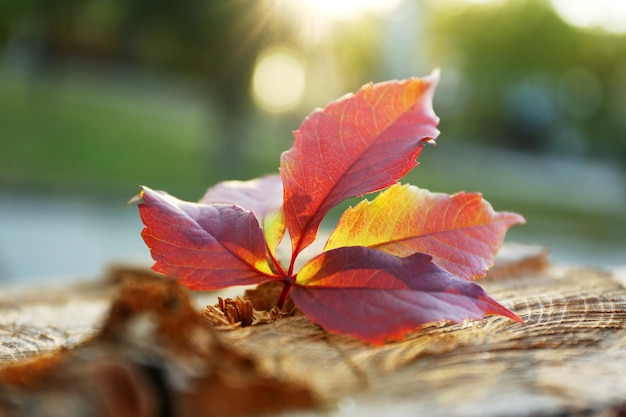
(461, 232)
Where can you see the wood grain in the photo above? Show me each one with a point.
(569, 358)
(34, 321)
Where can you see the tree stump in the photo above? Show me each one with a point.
(149, 351)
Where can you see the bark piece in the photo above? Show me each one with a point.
(154, 355)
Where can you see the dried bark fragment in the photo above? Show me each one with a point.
(236, 313)
(155, 355)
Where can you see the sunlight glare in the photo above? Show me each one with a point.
(609, 15)
(464, 3)
(486, 2)
(351, 9)
(278, 80)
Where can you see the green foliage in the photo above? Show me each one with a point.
(533, 82)
(526, 80)
(59, 136)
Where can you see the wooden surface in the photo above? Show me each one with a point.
(569, 358)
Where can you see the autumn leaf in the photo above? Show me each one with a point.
(205, 246)
(461, 232)
(263, 196)
(359, 144)
(391, 265)
(375, 296)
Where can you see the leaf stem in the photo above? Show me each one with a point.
(284, 294)
(295, 251)
(276, 263)
(291, 266)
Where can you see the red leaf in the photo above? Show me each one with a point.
(376, 296)
(358, 144)
(263, 196)
(461, 232)
(205, 246)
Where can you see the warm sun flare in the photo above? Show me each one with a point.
(350, 9)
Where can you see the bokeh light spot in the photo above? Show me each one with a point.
(609, 15)
(278, 80)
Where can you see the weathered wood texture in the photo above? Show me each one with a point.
(569, 358)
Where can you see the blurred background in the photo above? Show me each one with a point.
(100, 96)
